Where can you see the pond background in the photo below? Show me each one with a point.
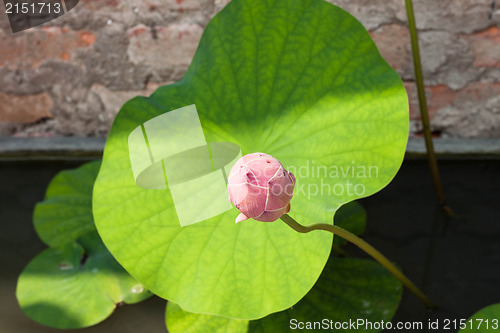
(457, 262)
(70, 77)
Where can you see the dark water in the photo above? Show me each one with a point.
(21, 186)
(457, 261)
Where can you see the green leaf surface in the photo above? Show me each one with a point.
(299, 80)
(69, 287)
(485, 320)
(348, 289)
(77, 282)
(180, 321)
(66, 212)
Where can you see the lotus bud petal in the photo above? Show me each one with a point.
(260, 188)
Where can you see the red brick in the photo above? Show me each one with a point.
(442, 96)
(393, 42)
(30, 48)
(476, 92)
(411, 90)
(167, 47)
(141, 5)
(486, 47)
(87, 38)
(114, 100)
(27, 109)
(99, 4)
(438, 96)
(474, 112)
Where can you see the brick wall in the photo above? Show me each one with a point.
(71, 76)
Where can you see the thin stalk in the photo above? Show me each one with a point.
(365, 247)
(422, 101)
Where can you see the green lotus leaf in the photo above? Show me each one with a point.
(180, 321)
(484, 321)
(348, 289)
(299, 80)
(77, 282)
(66, 212)
(72, 287)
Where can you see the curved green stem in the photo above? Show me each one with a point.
(365, 247)
(424, 114)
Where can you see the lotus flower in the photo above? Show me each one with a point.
(260, 188)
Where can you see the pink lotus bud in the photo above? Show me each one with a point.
(260, 188)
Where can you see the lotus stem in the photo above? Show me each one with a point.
(365, 247)
(424, 114)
